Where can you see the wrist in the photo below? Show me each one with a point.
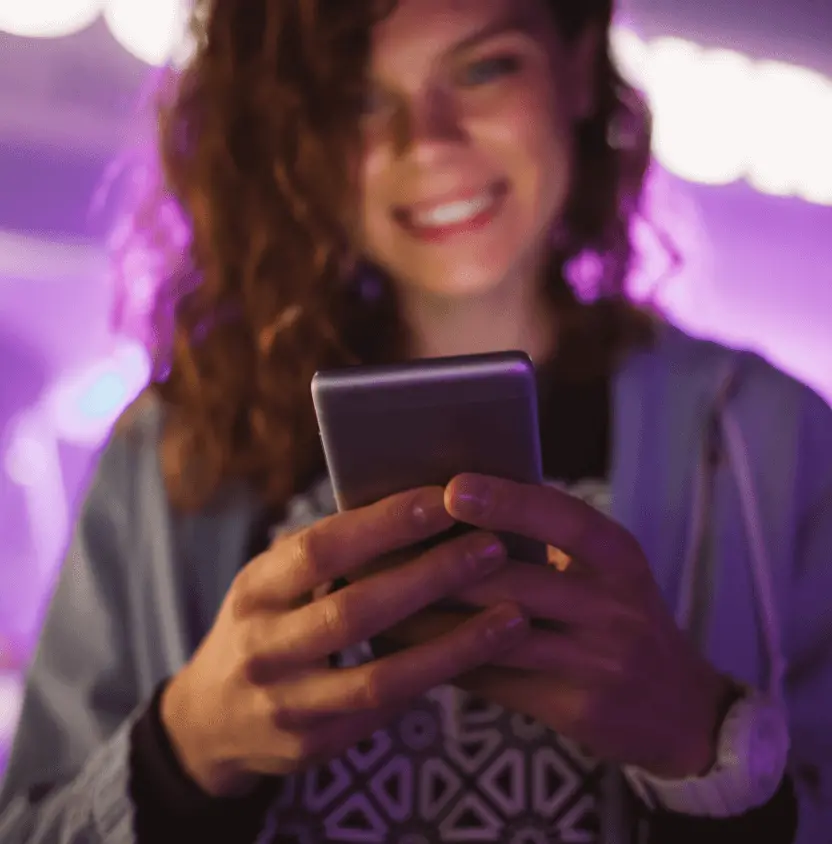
(751, 758)
(696, 753)
(193, 747)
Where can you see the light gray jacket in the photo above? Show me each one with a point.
(741, 544)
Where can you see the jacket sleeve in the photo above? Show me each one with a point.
(808, 631)
(67, 778)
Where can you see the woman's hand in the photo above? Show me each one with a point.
(612, 671)
(259, 697)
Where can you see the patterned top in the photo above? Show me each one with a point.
(452, 769)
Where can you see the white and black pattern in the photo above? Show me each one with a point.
(496, 777)
(501, 778)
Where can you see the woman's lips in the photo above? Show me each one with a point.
(433, 222)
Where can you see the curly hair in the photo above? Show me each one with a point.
(248, 223)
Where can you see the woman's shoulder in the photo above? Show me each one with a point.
(129, 457)
(141, 421)
(751, 370)
(774, 408)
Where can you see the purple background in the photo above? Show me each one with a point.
(757, 270)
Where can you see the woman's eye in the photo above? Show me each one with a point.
(488, 70)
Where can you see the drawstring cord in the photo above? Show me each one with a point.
(725, 439)
(762, 570)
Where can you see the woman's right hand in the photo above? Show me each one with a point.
(258, 697)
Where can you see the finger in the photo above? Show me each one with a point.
(570, 599)
(333, 547)
(361, 610)
(582, 658)
(546, 514)
(543, 593)
(396, 680)
(545, 697)
(283, 751)
(579, 660)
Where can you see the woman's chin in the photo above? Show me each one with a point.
(458, 287)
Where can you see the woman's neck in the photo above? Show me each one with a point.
(504, 320)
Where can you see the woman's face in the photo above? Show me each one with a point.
(468, 131)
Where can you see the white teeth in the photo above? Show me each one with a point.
(453, 212)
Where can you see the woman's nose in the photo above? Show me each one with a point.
(429, 126)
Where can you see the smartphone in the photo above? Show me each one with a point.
(387, 429)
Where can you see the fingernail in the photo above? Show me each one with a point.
(507, 623)
(470, 496)
(486, 553)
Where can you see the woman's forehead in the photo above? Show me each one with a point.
(410, 16)
(420, 29)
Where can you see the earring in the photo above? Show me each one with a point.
(622, 131)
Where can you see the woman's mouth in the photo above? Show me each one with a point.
(438, 221)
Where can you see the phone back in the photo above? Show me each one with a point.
(391, 428)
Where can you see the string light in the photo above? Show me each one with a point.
(47, 18)
(152, 30)
(721, 117)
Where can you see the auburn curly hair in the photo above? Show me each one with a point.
(247, 227)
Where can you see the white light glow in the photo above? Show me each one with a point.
(792, 127)
(630, 54)
(33, 461)
(27, 460)
(83, 407)
(701, 129)
(11, 699)
(47, 18)
(721, 117)
(152, 30)
(30, 258)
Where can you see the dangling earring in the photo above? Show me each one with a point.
(625, 125)
(367, 281)
(585, 273)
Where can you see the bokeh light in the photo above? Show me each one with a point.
(152, 30)
(47, 18)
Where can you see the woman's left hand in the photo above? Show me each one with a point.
(612, 672)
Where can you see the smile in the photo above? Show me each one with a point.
(440, 220)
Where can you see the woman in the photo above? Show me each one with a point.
(371, 185)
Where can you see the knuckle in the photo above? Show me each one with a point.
(311, 553)
(249, 640)
(472, 646)
(445, 570)
(400, 513)
(422, 511)
(253, 672)
(298, 748)
(335, 617)
(281, 717)
(456, 563)
(240, 595)
(252, 662)
(374, 692)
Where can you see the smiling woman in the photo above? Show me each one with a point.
(311, 279)
(490, 128)
(372, 183)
